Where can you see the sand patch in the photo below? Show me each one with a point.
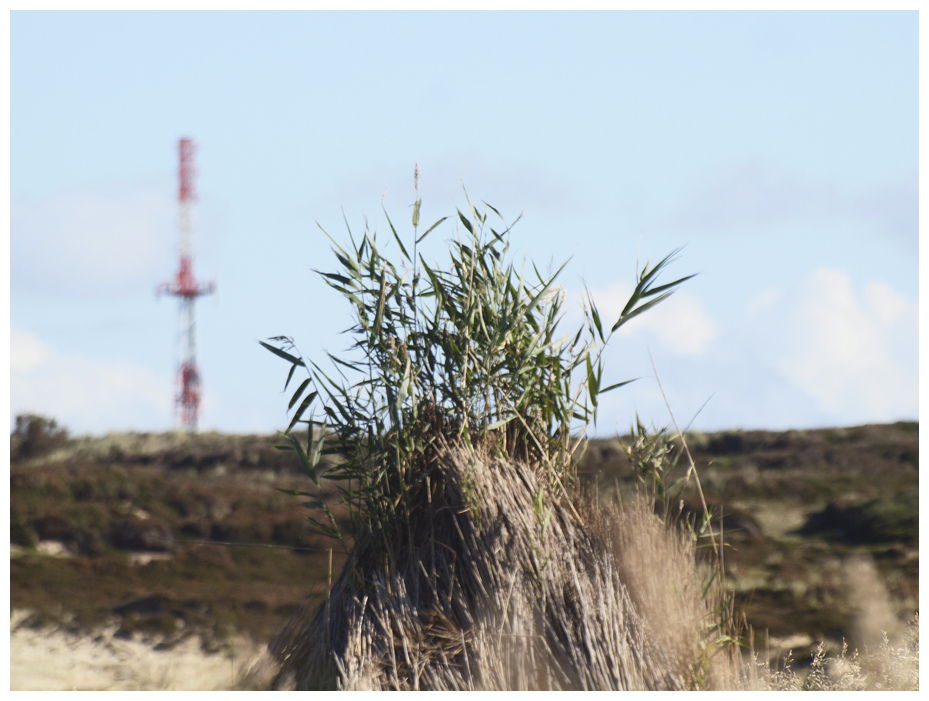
(53, 659)
(50, 548)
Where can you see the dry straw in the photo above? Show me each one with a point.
(494, 597)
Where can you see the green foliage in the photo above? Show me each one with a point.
(893, 517)
(886, 518)
(34, 436)
(21, 532)
(465, 355)
(653, 457)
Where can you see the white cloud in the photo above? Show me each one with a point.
(828, 352)
(680, 322)
(26, 352)
(854, 352)
(886, 305)
(83, 394)
(90, 242)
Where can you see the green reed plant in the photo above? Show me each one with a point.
(652, 455)
(466, 354)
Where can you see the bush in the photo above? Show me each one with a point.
(35, 436)
(889, 518)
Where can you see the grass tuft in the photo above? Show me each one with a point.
(457, 417)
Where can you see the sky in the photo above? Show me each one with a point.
(778, 150)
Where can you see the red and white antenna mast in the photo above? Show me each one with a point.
(186, 288)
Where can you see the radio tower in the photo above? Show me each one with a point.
(186, 288)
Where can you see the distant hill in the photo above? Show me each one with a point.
(174, 534)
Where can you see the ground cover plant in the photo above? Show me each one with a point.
(167, 536)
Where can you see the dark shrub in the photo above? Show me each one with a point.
(34, 436)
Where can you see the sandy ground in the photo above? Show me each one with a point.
(56, 660)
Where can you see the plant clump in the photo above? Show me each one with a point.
(452, 426)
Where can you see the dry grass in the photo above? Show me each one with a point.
(497, 594)
(885, 656)
(607, 599)
(892, 665)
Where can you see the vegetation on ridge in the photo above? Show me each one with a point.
(794, 587)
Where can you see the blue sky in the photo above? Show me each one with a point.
(780, 149)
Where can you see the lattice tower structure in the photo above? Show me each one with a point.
(186, 288)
